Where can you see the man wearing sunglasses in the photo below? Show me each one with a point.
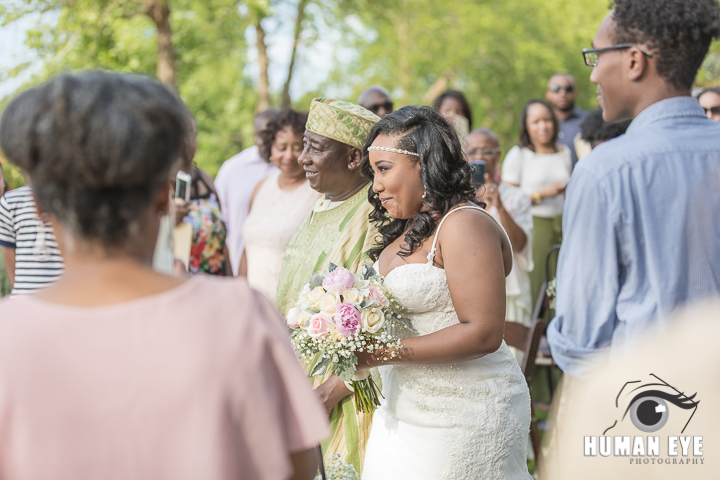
(377, 100)
(640, 224)
(709, 100)
(562, 93)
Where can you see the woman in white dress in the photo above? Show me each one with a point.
(278, 205)
(456, 403)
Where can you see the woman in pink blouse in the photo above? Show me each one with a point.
(116, 371)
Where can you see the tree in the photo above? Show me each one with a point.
(302, 5)
(204, 56)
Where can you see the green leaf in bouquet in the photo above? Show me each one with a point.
(369, 272)
(365, 304)
(331, 267)
(316, 280)
(345, 368)
(320, 367)
(313, 311)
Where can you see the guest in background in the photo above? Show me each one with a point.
(594, 130)
(562, 93)
(5, 283)
(29, 249)
(117, 370)
(511, 206)
(208, 253)
(278, 205)
(377, 100)
(709, 100)
(235, 183)
(337, 230)
(541, 167)
(454, 107)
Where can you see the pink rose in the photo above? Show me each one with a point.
(319, 325)
(377, 295)
(347, 319)
(338, 280)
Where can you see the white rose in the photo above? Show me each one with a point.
(353, 296)
(372, 319)
(303, 319)
(328, 302)
(315, 295)
(293, 316)
(360, 283)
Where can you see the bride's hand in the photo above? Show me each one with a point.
(365, 360)
(331, 392)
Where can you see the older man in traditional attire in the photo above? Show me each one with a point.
(337, 230)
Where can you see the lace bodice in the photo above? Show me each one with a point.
(484, 401)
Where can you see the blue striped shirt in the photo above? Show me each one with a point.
(641, 232)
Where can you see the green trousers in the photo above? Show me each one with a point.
(546, 233)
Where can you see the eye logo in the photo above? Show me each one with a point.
(648, 408)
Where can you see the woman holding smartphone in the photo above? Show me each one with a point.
(540, 166)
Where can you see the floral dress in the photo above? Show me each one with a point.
(208, 253)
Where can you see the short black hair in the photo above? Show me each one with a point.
(678, 33)
(287, 117)
(524, 140)
(445, 175)
(467, 113)
(97, 147)
(594, 129)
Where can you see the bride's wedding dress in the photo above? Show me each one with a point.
(467, 421)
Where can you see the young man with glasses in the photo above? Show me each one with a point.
(640, 225)
(562, 93)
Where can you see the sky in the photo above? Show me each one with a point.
(312, 65)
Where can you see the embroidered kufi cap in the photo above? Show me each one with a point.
(345, 122)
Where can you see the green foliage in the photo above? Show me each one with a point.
(500, 54)
(209, 42)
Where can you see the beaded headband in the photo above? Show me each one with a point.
(396, 150)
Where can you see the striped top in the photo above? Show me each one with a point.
(20, 228)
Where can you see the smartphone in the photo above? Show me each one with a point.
(182, 186)
(479, 175)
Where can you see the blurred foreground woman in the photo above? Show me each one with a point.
(117, 371)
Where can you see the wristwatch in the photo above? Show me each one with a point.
(536, 198)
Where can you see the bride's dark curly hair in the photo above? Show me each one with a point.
(446, 175)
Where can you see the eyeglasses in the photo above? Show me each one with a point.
(591, 55)
(557, 88)
(483, 153)
(713, 110)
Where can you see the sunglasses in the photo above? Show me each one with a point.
(713, 110)
(557, 88)
(376, 108)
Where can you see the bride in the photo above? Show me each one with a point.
(456, 403)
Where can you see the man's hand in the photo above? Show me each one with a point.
(332, 391)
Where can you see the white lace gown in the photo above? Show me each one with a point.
(466, 421)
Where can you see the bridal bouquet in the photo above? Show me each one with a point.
(339, 314)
